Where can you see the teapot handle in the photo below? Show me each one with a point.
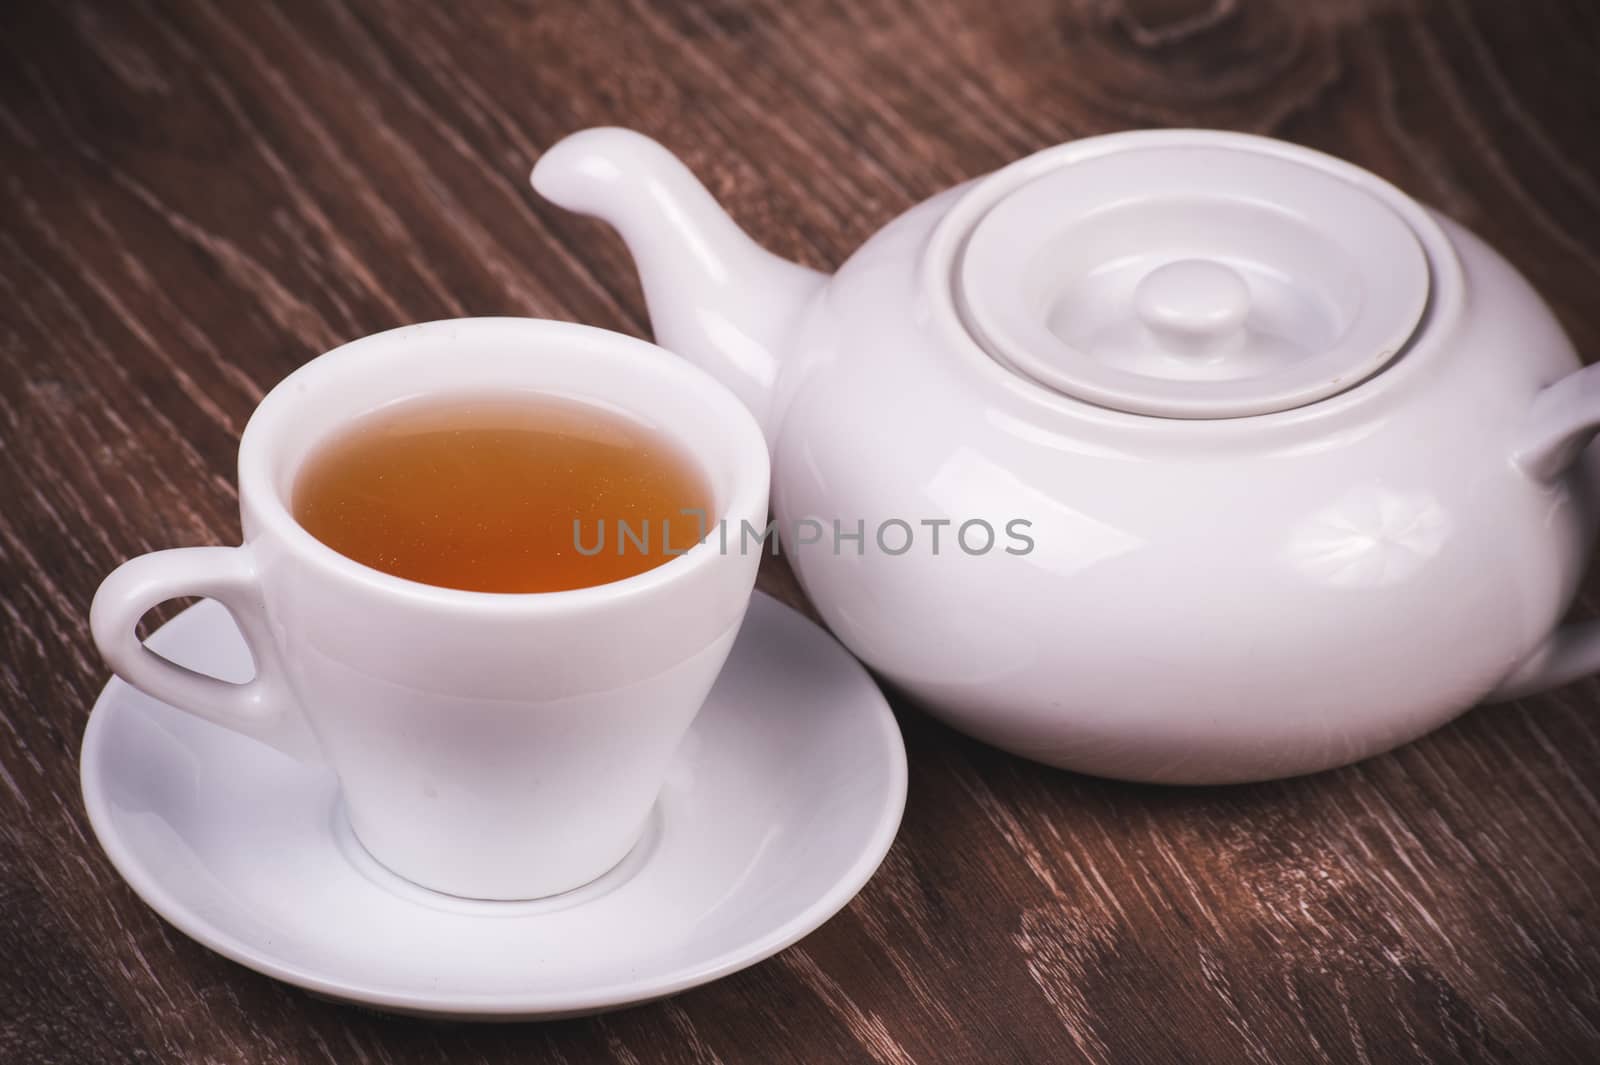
(1563, 420)
(1571, 652)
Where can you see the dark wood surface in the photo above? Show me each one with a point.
(199, 196)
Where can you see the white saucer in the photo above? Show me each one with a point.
(784, 798)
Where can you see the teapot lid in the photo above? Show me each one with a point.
(1190, 278)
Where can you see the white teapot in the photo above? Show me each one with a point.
(1279, 468)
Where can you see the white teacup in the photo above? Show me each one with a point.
(498, 746)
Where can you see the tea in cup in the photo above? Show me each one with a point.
(475, 584)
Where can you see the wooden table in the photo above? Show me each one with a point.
(199, 196)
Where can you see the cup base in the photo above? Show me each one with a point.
(362, 859)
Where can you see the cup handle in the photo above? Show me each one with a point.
(1563, 419)
(262, 708)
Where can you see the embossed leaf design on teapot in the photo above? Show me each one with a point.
(1300, 464)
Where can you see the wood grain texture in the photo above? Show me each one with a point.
(200, 195)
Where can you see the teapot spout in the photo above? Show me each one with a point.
(716, 297)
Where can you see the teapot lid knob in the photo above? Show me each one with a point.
(1194, 307)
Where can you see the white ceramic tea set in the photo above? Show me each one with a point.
(1246, 465)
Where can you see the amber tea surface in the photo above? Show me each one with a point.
(482, 494)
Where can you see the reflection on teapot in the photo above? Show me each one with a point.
(1303, 461)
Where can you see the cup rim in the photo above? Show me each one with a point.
(740, 435)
